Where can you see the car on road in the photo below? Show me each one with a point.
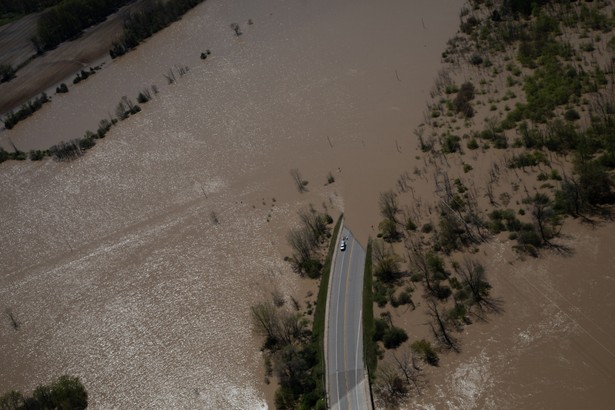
(343, 245)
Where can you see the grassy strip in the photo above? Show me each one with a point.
(371, 359)
(318, 328)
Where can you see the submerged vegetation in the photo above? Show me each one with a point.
(293, 352)
(552, 125)
(12, 118)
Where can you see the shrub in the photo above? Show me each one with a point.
(461, 103)
(394, 337)
(7, 73)
(450, 144)
(405, 298)
(61, 89)
(26, 110)
(37, 155)
(572, 115)
(424, 349)
(528, 159)
(476, 59)
(410, 225)
(380, 328)
(144, 96)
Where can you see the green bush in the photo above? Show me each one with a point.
(26, 110)
(7, 73)
(394, 337)
(450, 144)
(572, 115)
(424, 349)
(65, 393)
(62, 89)
(461, 103)
(472, 144)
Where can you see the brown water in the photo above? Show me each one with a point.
(554, 347)
(111, 263)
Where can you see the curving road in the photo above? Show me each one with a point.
(347, 384)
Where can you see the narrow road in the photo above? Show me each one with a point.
(347, 384)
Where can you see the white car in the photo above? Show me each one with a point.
(343, 245)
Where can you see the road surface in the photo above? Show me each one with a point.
(347, 384)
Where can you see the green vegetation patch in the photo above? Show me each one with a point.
(371, 349)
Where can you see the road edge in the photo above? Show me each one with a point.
(327, 309)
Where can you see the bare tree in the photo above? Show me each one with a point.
(213, 217)
(265, 320)
(279, 326)
(14, 323)
(299, 181)
(389, 206)
(390, 384)
(472, 276)
(170, 76)
(545, 217)
(409, 368)
(440, 327)
(302, 243)
(386, 263)
(236, 29)
(315, 223)
(420, 265)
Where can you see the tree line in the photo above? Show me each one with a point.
(141, 25)
(66, 392)
(13, 117)
(68, 19)
(25, 6)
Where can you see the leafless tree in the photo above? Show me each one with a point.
(300, 183)
(472, 275)
(544, 216)
(213, 217)
(278, 325)
(315, 223)
(389, 206)
(236, 29)
(390, 384)
(440, 327)
(420, 265)
(14, 323)
(265, 319)
(170, 76)
(409, 368)
(302, 243)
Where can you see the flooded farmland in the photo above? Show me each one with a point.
(134, 266)
(113, 264)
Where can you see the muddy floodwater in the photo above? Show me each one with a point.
(134, 266)
(114, 266)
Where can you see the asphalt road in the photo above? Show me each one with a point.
(346, 377)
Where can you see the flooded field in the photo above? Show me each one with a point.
(134, 267)
(114, 266)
